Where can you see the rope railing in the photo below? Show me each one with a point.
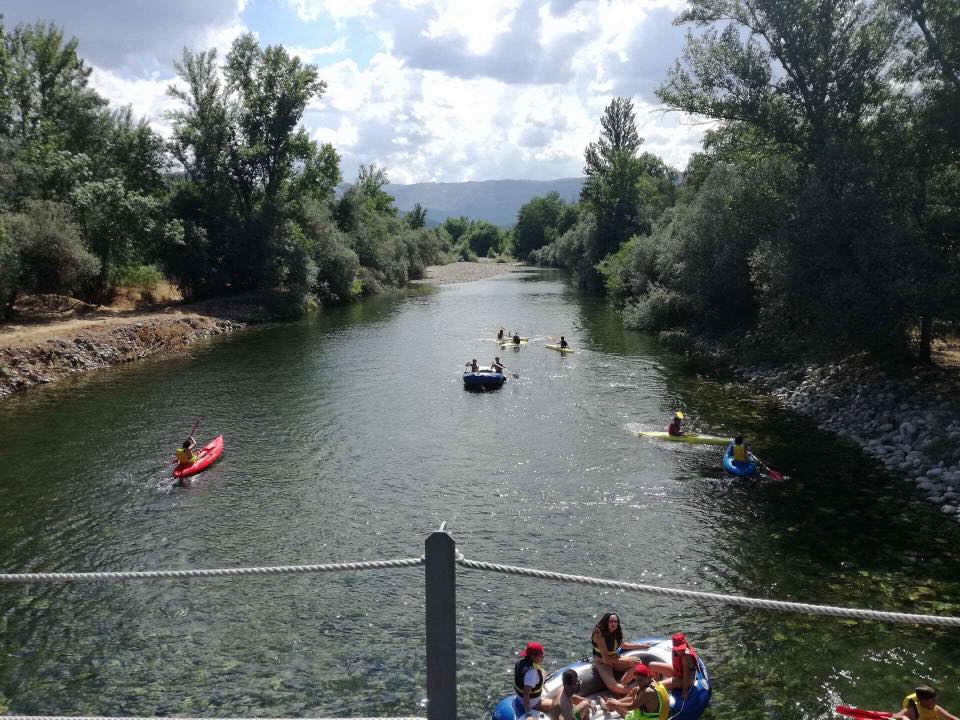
(741, 601)
(207, 573)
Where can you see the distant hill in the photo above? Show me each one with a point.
(495, 201)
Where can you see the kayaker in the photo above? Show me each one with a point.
(674, 427)
(563, 343)
(682, 672)
(185, 454)
(516, 339)
(649, 700)
(741, 452)
(569, 705)
(607, 639)
(528, 679)
(473, 365)
(496, 365)
(500, 334)
(921, 704)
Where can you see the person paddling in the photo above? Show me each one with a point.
(496, 365)
(516, 339)
(500, 334)
(741, 452)
(674, 427)
(185, 454)
(921, 704)
(563, 343)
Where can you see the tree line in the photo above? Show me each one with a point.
(823, 212)
(238, 199)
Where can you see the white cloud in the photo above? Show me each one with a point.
(461, 89)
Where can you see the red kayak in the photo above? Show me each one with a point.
(205, 458)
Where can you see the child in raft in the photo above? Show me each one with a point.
(922, 705)
(570, 706)
(682, 672)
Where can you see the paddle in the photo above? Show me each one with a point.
(864, 714)
(774, 475)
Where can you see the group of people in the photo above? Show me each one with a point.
(495, 366)
(640, 691)
(509, 337)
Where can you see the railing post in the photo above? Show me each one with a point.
(441, 591)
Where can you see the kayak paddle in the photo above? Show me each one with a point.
(774, 475)
(862, 714)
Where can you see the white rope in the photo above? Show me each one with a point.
(150, 717)
(778, 605)
(212, 572)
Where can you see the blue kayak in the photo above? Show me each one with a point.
(737, 468)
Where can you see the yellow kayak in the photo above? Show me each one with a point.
(692, 438)
(560, 349)
(509, 341)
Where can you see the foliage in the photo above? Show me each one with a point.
(416, 218)
(541, 221)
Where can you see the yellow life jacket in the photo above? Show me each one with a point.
(660, 713)
(739, 453)
(185, 457)
(922, 712)
(610, 642)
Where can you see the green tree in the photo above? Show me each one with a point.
(541, 221)
(416, 218)
(482, 237)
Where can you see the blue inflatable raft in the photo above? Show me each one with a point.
(735, 468)
(592, 687)
(483, 379)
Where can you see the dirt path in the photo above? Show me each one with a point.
(21, 335)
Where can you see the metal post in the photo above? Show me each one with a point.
(441, 587)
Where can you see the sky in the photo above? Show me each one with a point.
(432, 90)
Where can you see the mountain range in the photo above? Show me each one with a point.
(496, 201)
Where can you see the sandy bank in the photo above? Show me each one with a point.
(459, 272)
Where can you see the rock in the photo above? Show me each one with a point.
(948, 510)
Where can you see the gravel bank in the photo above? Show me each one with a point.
(910, 424)
(459, 272)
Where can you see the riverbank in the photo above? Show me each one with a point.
(48, 347)
(909, 422)
(459, 272)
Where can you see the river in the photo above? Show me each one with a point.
(349, 436)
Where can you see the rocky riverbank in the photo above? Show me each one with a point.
(910, 423)
(79, 349)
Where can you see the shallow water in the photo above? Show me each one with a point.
(349, 436)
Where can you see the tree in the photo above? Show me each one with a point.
(481, 237)
(541, 221)
(612, 173)
(416, 218)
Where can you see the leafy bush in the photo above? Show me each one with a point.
(146, 277)
(657, 309)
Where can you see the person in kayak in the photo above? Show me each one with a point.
(570, 706)
(516, 339)
(922, 705)
(607, 639)
(185, 454)
(649, 700)
(563, 343)
(682, 672)
(741, 453)
(528, 679)
(500, 334)
(473, 365)
(674, 427)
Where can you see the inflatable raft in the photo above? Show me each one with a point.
(511, 707)
(735, 468)
(483, 379)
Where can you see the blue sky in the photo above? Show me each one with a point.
(433, 90)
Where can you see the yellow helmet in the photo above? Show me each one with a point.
(678, 414)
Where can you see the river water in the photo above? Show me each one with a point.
(349, 436)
